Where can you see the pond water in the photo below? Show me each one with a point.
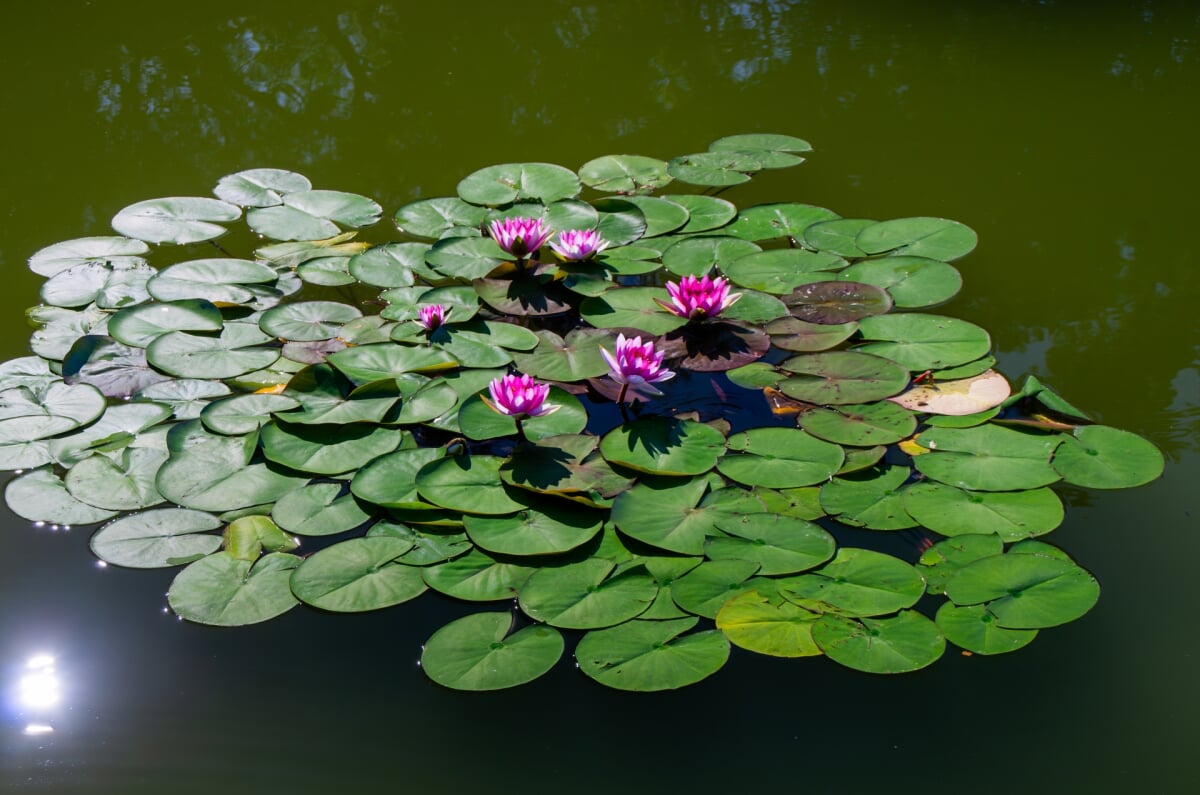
(1062, 133)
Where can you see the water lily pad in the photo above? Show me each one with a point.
(648, 656)
(502, 184)
(869, 498)
(99, 250)
(960, 397)
(118, 481)
(470, 484)
(631, 308)
(116, 370)
(662, 216)
(319, 509)
(714, 347)
(227, 591)
(779, 458)
(241, 348)
(782, 270)
(178, 220)
(138, 326)
(905, 642)
(913, 282)
(619, 221)
(841, 378)
(478, 421)
(219, 280)
(939, 563)
(863, 425)
(624, 174)
(367, 363)
(988, 458)
(722, 168)
(1025, 591)
(432, 218)
(574, 358)
(676, 515)
(663, 446)
(525, 295)
(158, 538)
(1010, 515)
(108, 286)
(778, 544)
(1099, 457)
(772, 150)
(326, 449)
(40, 496)
(837, 237)
(802, 336)
(922, 342)
(857, 582)
(837, 302)
(770, 221)
(477, 577)
(477, 652)
(767, 625)
(358, 575)
(705, 213)
(307, 321)
(567, 466)
(541, 529)
(975, 629)
(935, 238)
(583, 595)
(243, 413)
(313, 215)
(33, 412)
(697, 256)
(708, 587)
(260, 187)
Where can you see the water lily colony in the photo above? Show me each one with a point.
(650, 420)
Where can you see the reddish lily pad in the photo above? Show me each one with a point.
(837, 302)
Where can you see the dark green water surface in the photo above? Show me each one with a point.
(1064, 133)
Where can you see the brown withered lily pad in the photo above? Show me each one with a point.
(834, 303)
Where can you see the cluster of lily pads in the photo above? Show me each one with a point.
(663, 433)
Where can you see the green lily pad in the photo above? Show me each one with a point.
(239, 349)
(138, 326)
(677, 516)
(31, 413)
(935, 238)
(869, 498)
(943, 559)
(358, 575)
(470, 484)
(905, 642)
(862, 425)
(647, 656)
(477, 577)
(923, 342)
(708, 587)
(705, 213)
(779, 458)
(619, 222)
(781, 270)
(663, 446)
(118, 481)
(714, 168)
(631, 308)
(768, 626)
(1025, 591)
(662, 216)
(988, 458)
(156, 539)
(109, 287)
(99, 250)
(40, 496)
(697, 256)
(524, 295)
(391, 480)
(477, 652)
(801, 336)
(390, 265)
(466, 257)
(178, 220)
(1099, 457)
(227, 591)
(837, 237)
(858, 582)
(318, 509)
(366, 363)
(260, 187)
(243, 413)
(842, 378)
(574, 358)
(326, 449)
(541, 529)
(478, 421)
(218, 280)
(913, 282)
(770, 221)
(778, 544)
(313, 215)
(975, 629)
(432, 218)
(502, 184)
(624, 174)
(1012, 515)
(583, 595)
(307, 321)
(772, 150)
(567, 466)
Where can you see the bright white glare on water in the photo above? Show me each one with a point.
(34, 729)
(39, 686)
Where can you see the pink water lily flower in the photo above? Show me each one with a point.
(576, 245)
(519, 396)
(432, 316)
(636, 365)
(520, 236)
(696, 299)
